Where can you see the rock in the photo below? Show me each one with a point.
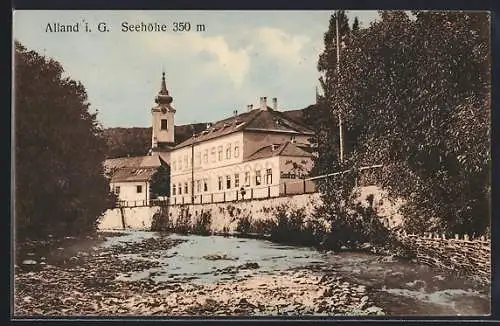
(364, 299)
(373, 309)
(249, 266)
(29, 262)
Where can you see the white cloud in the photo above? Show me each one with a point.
(234, 63)
(278, 43)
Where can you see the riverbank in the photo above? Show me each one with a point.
(109, 279)
(148, 273)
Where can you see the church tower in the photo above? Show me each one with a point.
(163, 119)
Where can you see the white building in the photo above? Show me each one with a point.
(262, 151)
(131, 178)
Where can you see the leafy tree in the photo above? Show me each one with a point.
(160, 182)
(60, 186)
(415, 97)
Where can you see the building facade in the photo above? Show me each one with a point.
(131, 178)
(257, 154)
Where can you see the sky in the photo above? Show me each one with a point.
(240, 57)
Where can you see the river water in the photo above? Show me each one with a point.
(398, 286)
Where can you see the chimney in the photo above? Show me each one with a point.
(209, 125)
(235, 112)
(249, 107)
(263, 103)
(275, 104)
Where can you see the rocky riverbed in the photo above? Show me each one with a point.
(110, 276)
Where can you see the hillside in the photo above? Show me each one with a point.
(136, 141)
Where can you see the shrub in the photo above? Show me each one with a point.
(203, 223)
(244, 225)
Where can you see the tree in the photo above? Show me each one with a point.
(60, 186)
(415, 95)
(160, 182)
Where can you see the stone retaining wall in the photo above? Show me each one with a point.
(224, 216)
(469, 257)
(133, 217)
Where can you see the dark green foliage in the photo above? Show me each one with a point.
(136, 141)
(202, 225)
(182, 224)
(288, 224)
(161, 221)
(60, 186)
(424, 87)
(244, 224)
(160, 182)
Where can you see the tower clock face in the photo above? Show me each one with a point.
(163, 110)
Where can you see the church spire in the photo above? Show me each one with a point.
(163, 97)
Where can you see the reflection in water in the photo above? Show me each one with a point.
(399, 286)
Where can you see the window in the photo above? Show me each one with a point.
(247, 179)
(164, 124)
(117, 190)
(174, 165)
(220, 153)
(228, 182)
(269, 176)
(205, 185)
(220, 183)
(236, 180)
(212, 152)
(198, 186)
(205, 156)
(198, 158)
(236, 151)
(180, 189)
(186, 188)
(139, 189)
(228, 152)
(174, 189)
(257, 178)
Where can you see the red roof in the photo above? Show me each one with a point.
(137, 168)
(283, 149)
(255, 120)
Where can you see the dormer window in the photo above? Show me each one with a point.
(274, 147)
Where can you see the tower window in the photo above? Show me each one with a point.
(164, 124)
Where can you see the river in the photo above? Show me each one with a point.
(400, 287)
